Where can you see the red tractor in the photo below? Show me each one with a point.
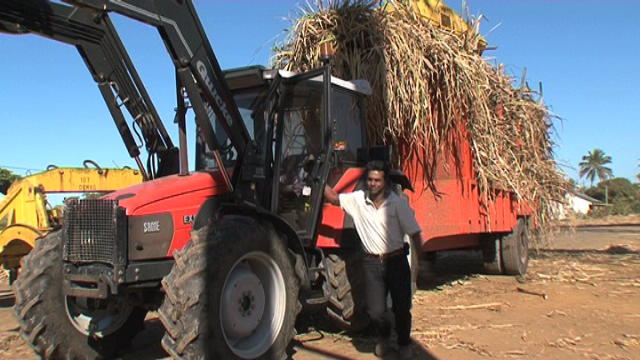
(228, 254)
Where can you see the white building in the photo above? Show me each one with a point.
(577, 204)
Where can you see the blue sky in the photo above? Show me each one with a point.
(584, 52)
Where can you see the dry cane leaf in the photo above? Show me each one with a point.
(431, 91)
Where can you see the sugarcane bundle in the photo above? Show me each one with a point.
(426, 81)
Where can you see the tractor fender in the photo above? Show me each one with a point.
(208, 211)
(294, 243)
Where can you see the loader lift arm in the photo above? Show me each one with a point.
(197, 68)
(104, 55)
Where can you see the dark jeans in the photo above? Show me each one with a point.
(393, 276)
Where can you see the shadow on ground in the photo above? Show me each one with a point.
(611, 250)
(146, 345)
(447, 267)
(363, 345)
(444, 269)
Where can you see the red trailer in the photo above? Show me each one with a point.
(457, 215)
(461, 216)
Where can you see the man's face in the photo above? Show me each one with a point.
(375, 182)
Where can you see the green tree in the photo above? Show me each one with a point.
(616, 188)
(593, 165)
(6, 179)
(624, 197)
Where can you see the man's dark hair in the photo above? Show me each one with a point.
(379, 165)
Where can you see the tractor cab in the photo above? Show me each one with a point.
(304, 127)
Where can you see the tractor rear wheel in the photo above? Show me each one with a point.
(345, 289)
(64, 327)
(231, 294)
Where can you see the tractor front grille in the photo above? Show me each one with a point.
(91, 231)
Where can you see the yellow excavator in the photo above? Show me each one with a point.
(444, 17)
(25, 214)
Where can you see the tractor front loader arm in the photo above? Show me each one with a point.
(197, 67)
(102, 51)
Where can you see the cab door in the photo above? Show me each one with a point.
(319, 131)
(300, 151)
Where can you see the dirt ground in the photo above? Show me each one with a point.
(579, 300)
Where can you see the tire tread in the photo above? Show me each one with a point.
(181, 311)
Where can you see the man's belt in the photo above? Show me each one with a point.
(385, 256)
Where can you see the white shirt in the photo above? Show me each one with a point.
(381, 229)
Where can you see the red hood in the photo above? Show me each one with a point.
(148, 194)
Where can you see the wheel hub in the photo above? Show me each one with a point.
(244, 299)
(97, 317)
(252, 305)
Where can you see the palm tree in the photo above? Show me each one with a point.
(593, 165)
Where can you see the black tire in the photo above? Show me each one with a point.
(413, 259)
(344, 289)
(414, 262)
(415, 247)
(226, 251)
(492, 254)
(515, 249)
(42, 310)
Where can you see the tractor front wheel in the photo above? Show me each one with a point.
(232, 294)
(64, 327)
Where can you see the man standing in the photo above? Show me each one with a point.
(381, 219)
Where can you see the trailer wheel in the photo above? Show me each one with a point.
(345, 289)
(515, 249)
(492, 254)
(232, 293)
(53, 323)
